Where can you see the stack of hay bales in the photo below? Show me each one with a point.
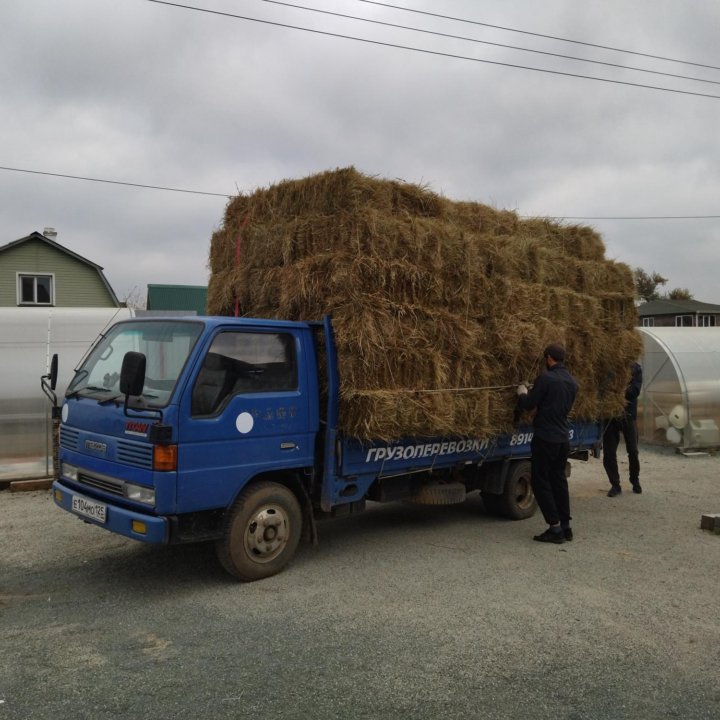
(440, 308)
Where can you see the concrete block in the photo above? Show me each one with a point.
(710, 521)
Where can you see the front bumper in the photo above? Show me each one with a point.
(118, 519)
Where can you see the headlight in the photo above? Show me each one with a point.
(140, 493)
(69, 471)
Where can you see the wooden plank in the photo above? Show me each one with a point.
(27, 485)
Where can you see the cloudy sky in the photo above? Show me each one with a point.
(146, 93)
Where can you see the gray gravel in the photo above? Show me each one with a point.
(402, 612)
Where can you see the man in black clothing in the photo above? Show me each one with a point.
(552, 396)
(627, 425)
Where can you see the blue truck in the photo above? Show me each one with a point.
(227, 429)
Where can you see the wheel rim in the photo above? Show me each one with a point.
(267, 533)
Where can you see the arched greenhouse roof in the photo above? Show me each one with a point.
(680, 399)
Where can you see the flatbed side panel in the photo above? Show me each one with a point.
(417, 454)
(384, 459)
(360, 463)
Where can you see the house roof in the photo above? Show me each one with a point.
(676, 307)
(177, 297)
(40, 237)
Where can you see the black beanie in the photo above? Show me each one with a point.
(556, 352)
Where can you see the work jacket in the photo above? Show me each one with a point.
(552, 396)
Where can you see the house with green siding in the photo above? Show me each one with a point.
(37, 271)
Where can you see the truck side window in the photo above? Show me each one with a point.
(241, 363)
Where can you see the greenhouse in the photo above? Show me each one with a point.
(680, 400)
(28, 338)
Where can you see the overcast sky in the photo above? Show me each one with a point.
(140, 92)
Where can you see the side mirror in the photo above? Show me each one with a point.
(132, 374)
(49, 381)
(53, 371)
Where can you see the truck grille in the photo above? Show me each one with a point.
(128, 452)
(106, 484)
(68, 438)
(136, 454)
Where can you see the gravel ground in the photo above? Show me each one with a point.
(402, 612)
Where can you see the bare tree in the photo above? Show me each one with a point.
(135, 299)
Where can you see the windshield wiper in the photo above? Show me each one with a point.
(114, 398)
(80, 392)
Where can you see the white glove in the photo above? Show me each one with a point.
(522, 390)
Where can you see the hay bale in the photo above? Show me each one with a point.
(440, 308)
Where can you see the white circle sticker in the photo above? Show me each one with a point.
(65, 413)
(244, 423)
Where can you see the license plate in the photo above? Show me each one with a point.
(89, 508)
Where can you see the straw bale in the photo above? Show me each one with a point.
(440, 308)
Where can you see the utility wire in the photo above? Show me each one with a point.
(431, 52)
(224, 195)
(623, 217)
(115, 182)
(540, 35)
(487, 42)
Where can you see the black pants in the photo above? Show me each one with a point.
(611, 439)
(549, 482)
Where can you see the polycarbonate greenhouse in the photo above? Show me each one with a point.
(28, 338)
(680, 400)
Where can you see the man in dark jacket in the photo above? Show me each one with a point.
(627, 425)
(552, 396)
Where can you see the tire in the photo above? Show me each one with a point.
(262, 532)
(517, 500)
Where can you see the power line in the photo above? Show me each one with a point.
(225, 195)
(488, 42)
(621, 217)
(431, 52)
(115, 182)
(540, 35)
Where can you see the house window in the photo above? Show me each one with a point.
(35, 289)
(706, 320)
(648, 322)
(684, 321)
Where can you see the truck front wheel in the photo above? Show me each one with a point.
(262, 532)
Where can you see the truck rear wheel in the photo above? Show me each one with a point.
(517, 500)
(262, 532)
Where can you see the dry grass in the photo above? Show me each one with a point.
(428, 296)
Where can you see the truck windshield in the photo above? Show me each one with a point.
(166, 345)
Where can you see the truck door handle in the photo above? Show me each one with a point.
(288, 446)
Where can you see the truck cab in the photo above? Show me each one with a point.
(219, 403)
